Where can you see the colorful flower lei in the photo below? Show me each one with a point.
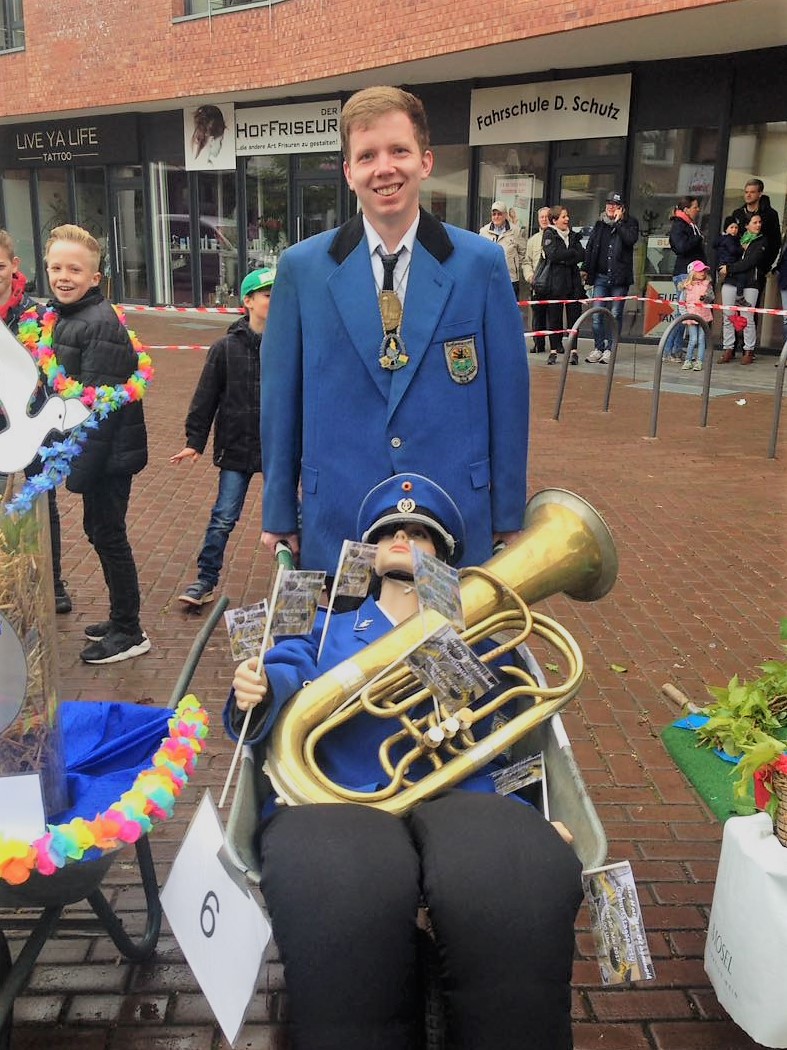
(36, 333)
(150, 799)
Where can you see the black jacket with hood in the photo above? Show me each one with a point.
(93, 346)
(771, 227)
(610, 250)
(228, 393)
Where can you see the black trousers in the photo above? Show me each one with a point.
(343, 884)
(539, 321)
(555, 321)
(104, 520)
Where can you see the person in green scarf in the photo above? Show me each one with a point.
(743, 276)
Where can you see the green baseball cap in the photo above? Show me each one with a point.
(257, 280)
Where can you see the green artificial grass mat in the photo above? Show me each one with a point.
(710, 775)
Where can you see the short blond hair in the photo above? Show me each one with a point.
(7, 244)
(75, 234)
(368, 105)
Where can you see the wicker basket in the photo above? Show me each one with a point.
(780, 790)
(31, 742)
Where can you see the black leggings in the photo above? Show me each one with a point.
(555, 321)
(343, 884)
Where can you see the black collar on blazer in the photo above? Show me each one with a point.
(431, 233)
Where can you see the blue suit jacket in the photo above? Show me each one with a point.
(335, 421)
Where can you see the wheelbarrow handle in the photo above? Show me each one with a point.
(284, 556)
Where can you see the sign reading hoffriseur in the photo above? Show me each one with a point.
(593, 107)
(308, 127)
(81, 140)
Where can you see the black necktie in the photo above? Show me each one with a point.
(389, 265)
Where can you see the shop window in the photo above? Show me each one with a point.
(759, 151)
(267, 216)
(515, 174)
(444, 193)
(18, 219)
(12, 25)
(171, 244)
(668, 163)
(218, 238)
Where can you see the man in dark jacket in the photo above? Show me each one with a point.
(609, 265)
(228, 392)
(94, 348)
(755, 202)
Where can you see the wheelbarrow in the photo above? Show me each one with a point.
(82, 881)
(568, 802)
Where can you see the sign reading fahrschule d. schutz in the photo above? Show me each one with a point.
(590, 108)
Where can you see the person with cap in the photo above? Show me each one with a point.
(509, 236)
(532, 258)
(609, 267)
(343, 882)
(697, 293)
(393, 344)
(228, 398)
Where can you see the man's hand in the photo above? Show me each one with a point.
(270, 539)
(250, 687)
(185, 453)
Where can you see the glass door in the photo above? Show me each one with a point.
(316, 187)
(128, 264)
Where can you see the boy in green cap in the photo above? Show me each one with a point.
(228, 392)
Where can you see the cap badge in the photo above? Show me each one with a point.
(406, 505)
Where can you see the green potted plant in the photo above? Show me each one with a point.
(748, 722)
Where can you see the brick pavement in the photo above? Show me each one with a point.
(698, 518)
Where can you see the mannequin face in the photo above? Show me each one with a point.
(393, 547)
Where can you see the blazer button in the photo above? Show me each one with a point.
(396, 442)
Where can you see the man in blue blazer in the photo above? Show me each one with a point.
(393, 344)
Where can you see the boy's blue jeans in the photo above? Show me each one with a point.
(603, 286)
(233, 486)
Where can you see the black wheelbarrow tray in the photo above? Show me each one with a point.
(81, 879)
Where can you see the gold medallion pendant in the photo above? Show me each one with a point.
(390, 310)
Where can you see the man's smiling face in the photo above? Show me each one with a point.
(386, 168)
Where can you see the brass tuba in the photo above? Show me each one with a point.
(565, 547)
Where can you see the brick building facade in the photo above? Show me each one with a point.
(103, 123)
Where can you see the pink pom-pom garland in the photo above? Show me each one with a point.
(150, 799)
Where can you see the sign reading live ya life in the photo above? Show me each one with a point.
(308, 127)
(80, 140)
(590, 108)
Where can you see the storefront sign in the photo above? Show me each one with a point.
(309, 127)
(590, 108)
(85, 140)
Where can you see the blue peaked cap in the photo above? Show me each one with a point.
(412, 498)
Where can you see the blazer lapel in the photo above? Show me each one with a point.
(352, 287)
(428, 289)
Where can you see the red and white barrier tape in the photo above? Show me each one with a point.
(648, 299)
(182, 309)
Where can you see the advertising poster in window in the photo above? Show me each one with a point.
(209, 137)
(517, 191)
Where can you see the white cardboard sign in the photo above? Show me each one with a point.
(22, 807)
(216, 920)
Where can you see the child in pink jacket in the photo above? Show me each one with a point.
(697, 291)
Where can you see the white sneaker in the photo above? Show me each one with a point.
(686, 366)
(605, 357)
(698, 366)
(593, 356)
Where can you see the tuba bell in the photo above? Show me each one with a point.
(565, 548)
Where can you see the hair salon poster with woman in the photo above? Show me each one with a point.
(209, 137)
